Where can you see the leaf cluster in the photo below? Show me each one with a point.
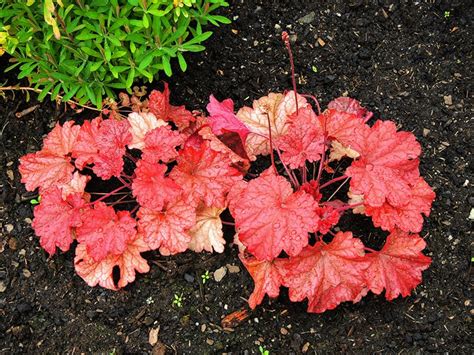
(87, 49)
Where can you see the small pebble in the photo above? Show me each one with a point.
(9, 227)
(27, 273)
(426, 131)
(233, 269)
(220, 273)
(3, 287)
(209, 341)
(448, 100)
(277, 27)
(13, 243)
(305, 348)
(283, 331)
(10, 175)
(148, 321)
(189, 278)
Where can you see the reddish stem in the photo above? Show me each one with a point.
(228, 223)
(371, 250)
(126, 184)
(131, 157)
(292, 177)
(315, 101)
(348, 207)
(271, 144)
(333, 181)
(108, 194)
(286, 39)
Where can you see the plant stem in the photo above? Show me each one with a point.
(286, 39)
(108, 194)
(315, 101)
(271, 145)
(228, 223)
(335, 192)
(333, 181)
(27, 88)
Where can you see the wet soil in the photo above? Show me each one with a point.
(410, 61)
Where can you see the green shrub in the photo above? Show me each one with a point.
(84, 49)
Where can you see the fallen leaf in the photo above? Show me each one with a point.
(153, 336)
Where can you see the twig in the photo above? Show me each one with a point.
(26, 112)
(27, 88)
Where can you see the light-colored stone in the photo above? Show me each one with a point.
(233, 269)
(220, 273)
(448, 100)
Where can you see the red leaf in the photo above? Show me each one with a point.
(104, 232)
(408, 217)
(351, 106)
(270, 217)
(161, 143)
(101, 272)
(141, 124)
(387, 165)
(56, 218)
(266, 276)
(304, 140)
(346, 128)
(168, 229)
(328, 218)
(398, 266)
(61, 140)
(205, 174)
(222, 118)
(85, 149)
(159, 105)
(151, 188)
(102, 143)
(181, 117)
(327, 274)
(76, 185)
(44, 169)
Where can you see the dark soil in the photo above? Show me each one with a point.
(404, 60)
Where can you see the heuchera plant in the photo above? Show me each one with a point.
(174, 172)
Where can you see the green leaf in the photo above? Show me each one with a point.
(200, 38)
(86, 35)
(146, 21)
(90, 94)
(166, 65)
(130, 77)
(45, 91)
(96, 66)
(182, 62)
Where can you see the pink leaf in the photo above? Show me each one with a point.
(61, 140)
(387, 165)
(168, 229)
(270, 217)
(56, 218)
(327, 274)
(397, 267)
(101, 272)
(105, 232)
(161, 143)
(151, 188)
(266, 276)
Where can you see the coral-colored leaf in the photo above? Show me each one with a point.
(105, 232)
(161, 143)
(266, 276)
(351, 106)
(222, 118)
(346, 128)
(207, 233)
(397, 267)
(44, 169)
(151, 188)
(85, 149)
(76, 185)
(408, 217)
(329, 215)
(101, 272)
(270, 217)
(140, 125)
(55, 219)
(276, 107)
(304, 140)
(205, 174)
(168, 229)
(327, 274)
(159, 103)
(61, 139)
(181, 117)
(387, 165)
